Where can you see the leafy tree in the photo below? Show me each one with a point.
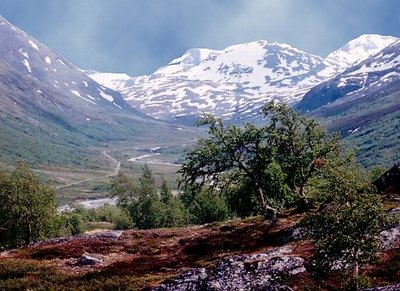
(230, 153)
(241, 205)
(165, 193)
(110, 213)
(276, 192)
(122, 186)
(27, 208)
(301, 145)
(146, 207)
(173, 213)
(207, 206)
(142, 201)
(275, 161)
(346, 229)
(74, 223)
(122, 220)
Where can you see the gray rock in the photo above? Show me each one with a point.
(114, 234)
(262, 271)
(390, 238)
(384, 288)
(192, 279)
(89, 260)
(50, 241)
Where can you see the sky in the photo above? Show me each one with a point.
(139, 36)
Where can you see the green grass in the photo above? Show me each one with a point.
(370, 126)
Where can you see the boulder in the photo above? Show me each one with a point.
(384, 288)
(192, 279)
(389, 182)
(261, 271)
(113, 234)
(89, 260)
(390, 238)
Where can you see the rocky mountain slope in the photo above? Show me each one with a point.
(235, 82)
(49, 109)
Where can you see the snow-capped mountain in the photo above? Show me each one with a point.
(231, 83)
(235, 82)
(377, 74)
(116, 81)
(359, 49)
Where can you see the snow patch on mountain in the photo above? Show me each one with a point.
(27, 65)
(114, 81)
(360, 48)
(34, 45)
(106, 96)
(24, 53)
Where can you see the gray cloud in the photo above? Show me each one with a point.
(137, 37)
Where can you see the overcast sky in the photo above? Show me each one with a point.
(138, 36)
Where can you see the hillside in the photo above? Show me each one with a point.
(52, 113)
(246, 253)
(362, 103)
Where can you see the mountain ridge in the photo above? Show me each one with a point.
(372, 74)
(235, 82)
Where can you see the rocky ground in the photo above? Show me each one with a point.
(249, 254)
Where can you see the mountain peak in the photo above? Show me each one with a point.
(192, 57)
(360, 48)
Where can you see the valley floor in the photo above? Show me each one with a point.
(85, 184)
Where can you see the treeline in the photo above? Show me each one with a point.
(147, 206)
(27, 208)
(28, 212)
